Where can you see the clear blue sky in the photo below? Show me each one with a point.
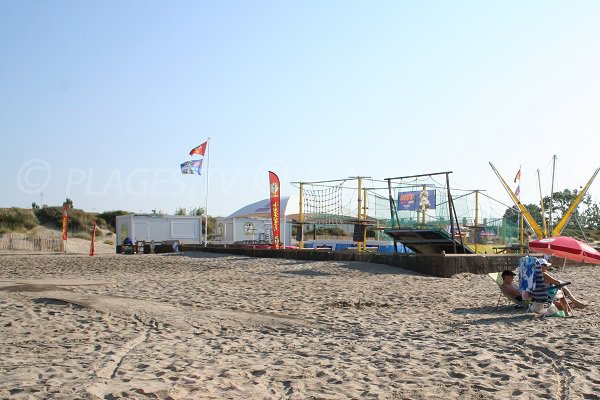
(101, 101)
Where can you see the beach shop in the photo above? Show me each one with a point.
(158, 232)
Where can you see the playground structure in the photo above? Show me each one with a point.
(420, 212)
(548, 229)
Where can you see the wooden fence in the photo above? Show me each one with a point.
(18, 242)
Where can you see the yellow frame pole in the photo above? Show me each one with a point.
(365, 219)
(358, 245)
(301, 218)
(477, 235)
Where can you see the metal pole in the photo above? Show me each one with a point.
(551, 224)
(206, 200)
(462, 243)
(544, 223)
(283, 231)
(450, 207)
(421, 175)
(393, 212)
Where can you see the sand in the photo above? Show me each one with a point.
(230, 327)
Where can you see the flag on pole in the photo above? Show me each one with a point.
(187, 168)
(518, 176)
(518, 190)
(192, 167)
(199, 150)
(197, 165)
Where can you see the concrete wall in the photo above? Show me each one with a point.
(435, 265)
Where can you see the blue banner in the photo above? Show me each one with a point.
(191, 167)
(416, 200)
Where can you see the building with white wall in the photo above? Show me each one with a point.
(253, 223)
(159, 228)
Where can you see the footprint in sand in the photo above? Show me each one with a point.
(523, 366)
(591, 396)
(485, 388)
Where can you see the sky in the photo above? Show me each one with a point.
(101, 102)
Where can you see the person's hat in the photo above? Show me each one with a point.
(507, 272)
(543, 262)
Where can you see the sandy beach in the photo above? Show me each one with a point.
(227, 327)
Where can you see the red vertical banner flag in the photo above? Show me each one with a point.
(93, 239)
(275, 208)
(65, 223)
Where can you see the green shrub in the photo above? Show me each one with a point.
(101, 223)
(111, 218)
(79, 220)
(13, 219)
(50, 216)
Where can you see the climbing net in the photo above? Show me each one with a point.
(323, 205)
(344, 204)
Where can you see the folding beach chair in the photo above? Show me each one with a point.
(497, 277)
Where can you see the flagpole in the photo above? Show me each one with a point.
(206, 193)
(521, 219)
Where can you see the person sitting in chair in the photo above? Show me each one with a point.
(542, 292)
(128, 247)
(564, 292)
(508, 286)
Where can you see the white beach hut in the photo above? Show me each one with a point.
(159, 228)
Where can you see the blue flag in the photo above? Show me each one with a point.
(191, 167)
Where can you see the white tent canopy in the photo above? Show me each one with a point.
(262, 209)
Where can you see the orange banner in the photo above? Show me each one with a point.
(275, 208)
(93, 239)
(65, 223)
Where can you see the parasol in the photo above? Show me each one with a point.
(568, 248)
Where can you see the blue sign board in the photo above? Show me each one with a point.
(416, 200)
